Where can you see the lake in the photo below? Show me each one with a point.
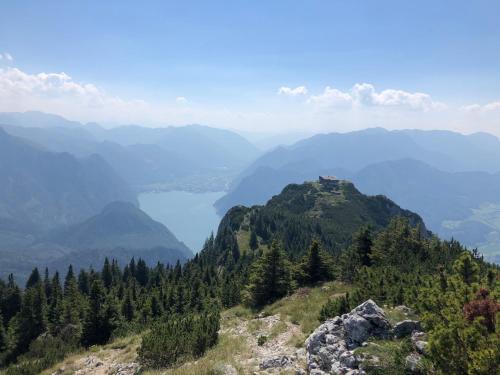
(190, 216)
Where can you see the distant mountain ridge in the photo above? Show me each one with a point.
(120, 231)
(144, 157)
(48, 189)
(118, 225)
(355, 150)
(36, 119)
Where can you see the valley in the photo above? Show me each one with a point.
(191, 216)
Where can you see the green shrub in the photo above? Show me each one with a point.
(334, 307)
(178, 339)
(261, 340)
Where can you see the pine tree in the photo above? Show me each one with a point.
(128, 307)
(47, 284)
(142, 273)
(55, 308)
(270, 278)
(12, 300)
(362, 245)
(31, 321)
(106, 274)
(3, 340)
(94, 326)
(69, 280)
(254, 242)
(83, 282)
(72, 303)
(315, 266)
(467, 269)
(34, 278)
(156, 307)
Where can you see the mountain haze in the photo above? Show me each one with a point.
(46, 189)
(146, 158)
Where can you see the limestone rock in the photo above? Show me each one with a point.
(357, 328)
(131, 368)
(329, 347)
(278, 361)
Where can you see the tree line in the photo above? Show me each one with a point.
(51, 317)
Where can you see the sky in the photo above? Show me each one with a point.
(263, 66)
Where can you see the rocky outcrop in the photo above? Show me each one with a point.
(329, 349)
(405, 328)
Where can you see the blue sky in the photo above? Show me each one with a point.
(228, 60)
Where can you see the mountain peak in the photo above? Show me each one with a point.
(328, 209)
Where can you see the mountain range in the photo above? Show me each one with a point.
(144, 157)
(42, 189)
(68, 192)
(57, 209)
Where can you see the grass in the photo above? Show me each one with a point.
(304, 305)
(255, 325)
(278, 329)
(395, 315)
(381, 354)
(243, 238)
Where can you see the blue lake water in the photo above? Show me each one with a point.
(190, 216)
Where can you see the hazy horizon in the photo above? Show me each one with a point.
(280, 67)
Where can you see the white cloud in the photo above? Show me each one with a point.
(477, 108)
(364, 94)
(299, 90)
(181, 100)
(331, 97)
(332, 109)
(59, 93)
(16, 82)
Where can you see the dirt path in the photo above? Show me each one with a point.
(278, 348)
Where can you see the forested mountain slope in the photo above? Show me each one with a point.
(330, 211)
(118, 225)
